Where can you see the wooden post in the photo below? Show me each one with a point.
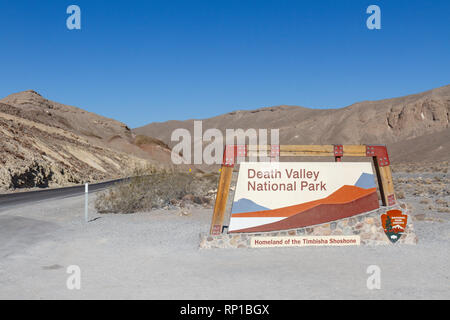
(223, 189)
(385, 184)
(383, 170)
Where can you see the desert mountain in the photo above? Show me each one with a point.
(44, 143)
(415, 127)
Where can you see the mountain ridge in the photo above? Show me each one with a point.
(386, 121)
(46, 143)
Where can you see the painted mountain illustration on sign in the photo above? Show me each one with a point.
(366, 181)
(345, 202)
(245, 205)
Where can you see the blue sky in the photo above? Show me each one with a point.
(145, 61)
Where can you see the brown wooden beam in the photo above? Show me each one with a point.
(385, 183)
(308, 150)
(221, 200)
(354, 150)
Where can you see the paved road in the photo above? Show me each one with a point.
(20, 198)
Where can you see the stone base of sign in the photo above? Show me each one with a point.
(367, 226)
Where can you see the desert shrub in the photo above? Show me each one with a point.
(156, 189)
(400, 194)
(442, 202)
(142, 140)
(418, 167)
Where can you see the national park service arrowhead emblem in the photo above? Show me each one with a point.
(394, 224)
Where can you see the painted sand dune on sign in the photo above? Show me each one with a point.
(321, 213)
(343, 195)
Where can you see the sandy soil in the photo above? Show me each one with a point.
(155, 256)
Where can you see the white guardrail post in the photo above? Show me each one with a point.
(86, 192)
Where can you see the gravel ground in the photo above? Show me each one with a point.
(155, 256)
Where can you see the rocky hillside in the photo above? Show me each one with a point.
(44, 143)
(420, 120)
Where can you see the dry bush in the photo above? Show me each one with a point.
(419, 217)
(400, 194)
(143, 140)
(418, 167)
(441, 205)
(148, 190)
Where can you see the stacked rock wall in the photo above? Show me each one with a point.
(367, 226)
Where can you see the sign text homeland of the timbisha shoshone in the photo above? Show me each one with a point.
(289, 195)
(305, 241)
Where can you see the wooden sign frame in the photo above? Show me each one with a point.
(378, 153)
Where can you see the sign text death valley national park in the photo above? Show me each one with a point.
(301, 180)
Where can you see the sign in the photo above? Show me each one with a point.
(394, 224)
(290, 195)
(296, 241)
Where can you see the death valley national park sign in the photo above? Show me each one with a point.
(289, 195)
